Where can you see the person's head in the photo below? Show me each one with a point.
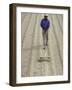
(45, 16)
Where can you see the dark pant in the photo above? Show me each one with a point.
(45, 37)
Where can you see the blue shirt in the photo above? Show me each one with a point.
(45, 24)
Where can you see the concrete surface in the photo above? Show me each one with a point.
(51, 61)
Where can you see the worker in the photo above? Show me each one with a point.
(45, 24)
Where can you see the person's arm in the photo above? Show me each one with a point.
(48, 24)
(41, 24)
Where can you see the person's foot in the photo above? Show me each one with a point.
(46, 44)
(44, 47)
